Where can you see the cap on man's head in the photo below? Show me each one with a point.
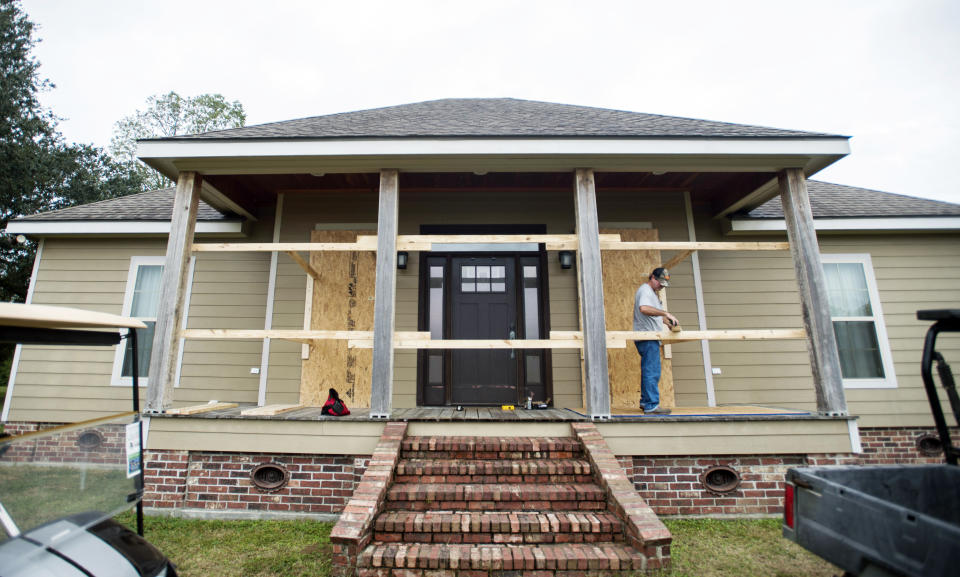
(662, 275)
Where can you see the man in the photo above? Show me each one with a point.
(648, 315)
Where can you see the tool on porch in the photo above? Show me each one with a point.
(507, 407)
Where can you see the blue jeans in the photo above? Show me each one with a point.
(649, 373)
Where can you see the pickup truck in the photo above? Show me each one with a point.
(880, 521)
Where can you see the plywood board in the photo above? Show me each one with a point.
(623, 273)
(342, 300)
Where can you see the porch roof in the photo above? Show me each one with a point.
(495, 117)
(503, 135)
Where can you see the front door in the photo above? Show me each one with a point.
(483, 307)
(494, 295)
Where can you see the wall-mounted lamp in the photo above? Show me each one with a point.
(566, 259)
(402, 259)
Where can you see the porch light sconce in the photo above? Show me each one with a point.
(402, 259)
(566, 259)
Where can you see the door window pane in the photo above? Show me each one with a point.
(533, 369)
(436, 302)
(483, 279)
(531, 305)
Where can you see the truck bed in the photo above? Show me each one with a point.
(899, 520)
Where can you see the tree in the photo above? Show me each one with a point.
(171, 115)
(38, 170)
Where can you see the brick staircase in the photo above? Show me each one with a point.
(469, 506)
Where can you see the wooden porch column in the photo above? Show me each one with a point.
(590, 277)
(821, 342)
(173, 287)
(381, 389)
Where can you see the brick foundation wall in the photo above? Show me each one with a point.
(221, 480)
(674, 486)
(671, 485)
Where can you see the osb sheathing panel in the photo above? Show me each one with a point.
(342, 300)
(623, 273)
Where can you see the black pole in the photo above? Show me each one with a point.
(925, 370)
(135, 380)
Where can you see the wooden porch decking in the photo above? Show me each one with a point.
(496, 414)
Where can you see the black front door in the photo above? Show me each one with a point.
(483, 300)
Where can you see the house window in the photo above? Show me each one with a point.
(865, 359)
(140, 302)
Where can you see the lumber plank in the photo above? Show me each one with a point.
(709, 335)
(270, 410)
(678, 259)
(384, 311)
(814, 302)
(663, 245)
(304, 264)
(590, 280)
(279, 246)
(173, 289)
(197, 409)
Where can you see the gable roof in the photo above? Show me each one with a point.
(153, 205)
(495, 117)
(829, 200)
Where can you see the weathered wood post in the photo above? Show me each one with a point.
(381, 389)
(590, 277)
(821, 341)
(173, 287)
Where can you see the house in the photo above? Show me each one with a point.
(524, 227)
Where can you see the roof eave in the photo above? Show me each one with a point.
(48, 228)
(753, 226)
(280, 156)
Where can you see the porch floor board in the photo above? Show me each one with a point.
(496, 414)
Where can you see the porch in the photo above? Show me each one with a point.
(708, 431)
(500, 415)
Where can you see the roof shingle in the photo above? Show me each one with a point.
(145, 206)
(496, 117)
(829, 200)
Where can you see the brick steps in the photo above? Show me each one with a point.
(493, 471)
(497, 527)
(487, 496)
(474, 506)
(489, 448)
(565, 557)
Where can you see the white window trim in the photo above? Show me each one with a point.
(890, 382)
(135, 263)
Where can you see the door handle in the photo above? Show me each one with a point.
(513, 335)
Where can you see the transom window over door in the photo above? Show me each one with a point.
(865, 358)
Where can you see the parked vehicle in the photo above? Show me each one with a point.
(886, 520)
(60, 488)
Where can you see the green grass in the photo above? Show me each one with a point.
(741, 547)
(240, 548)
(701, 548)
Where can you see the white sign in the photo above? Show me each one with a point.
(134, 461)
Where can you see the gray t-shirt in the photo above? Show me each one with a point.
(646, 297)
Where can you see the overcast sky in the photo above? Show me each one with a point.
(885, 72)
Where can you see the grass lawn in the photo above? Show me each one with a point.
(701, 548)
